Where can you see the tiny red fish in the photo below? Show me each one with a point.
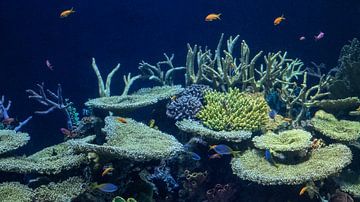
(215, 156)
(49, 65)
(8, 121)
(67, 133)
(121, 120)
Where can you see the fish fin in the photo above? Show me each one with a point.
(72, 10)
(219, 16)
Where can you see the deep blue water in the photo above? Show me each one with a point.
(127, 32)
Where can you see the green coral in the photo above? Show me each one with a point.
(289, 140)
(11, 140)
(133, 140)
(198, 129)
(142, 98)
(333, 106)
(15, 192)
(323, 162)
(234, 111)
(121, 199)
(340, 130)
(67, 190)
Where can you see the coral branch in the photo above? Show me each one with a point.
(104, 90)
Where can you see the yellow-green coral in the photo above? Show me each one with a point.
(15, 192)
(121, 199)
(234, 111)
(11, 140)
(349, 182)
(341, 130)
(67, 190)
(289, 140)
(323, 162)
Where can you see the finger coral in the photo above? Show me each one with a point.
(11, 140)
(289, 140)
(323, 162)
(340, 130)
(234, 111)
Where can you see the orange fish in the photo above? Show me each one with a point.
(215, 156)
(107, 171)
(173, 97)
(303, 190)
(66, 13)
(212, 16)
(278, 20)
(287, 119)
(121, 119)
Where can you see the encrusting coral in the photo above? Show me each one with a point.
(51, 160)
(15, 192)
(11, 140)
(288, 140)
(234, 111)
(142, 98)
(340, 130)
(133, 140)
(67, 190)
(349, 182)
(197, 129)
(323, 162)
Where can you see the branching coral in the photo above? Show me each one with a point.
(340, 130)
(289, 140)
(187, 103)
(323, 162)
(155, 73)
(6, 120)
(10, 140)
(234, 111)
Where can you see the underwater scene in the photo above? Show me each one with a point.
(180, 101)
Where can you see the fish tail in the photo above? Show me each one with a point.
(219, 16)
(72, 10)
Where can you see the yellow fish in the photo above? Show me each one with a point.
(152, 123)
(66, 13)
(212, 16)
(278, 20)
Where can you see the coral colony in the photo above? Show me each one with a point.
(240, 122)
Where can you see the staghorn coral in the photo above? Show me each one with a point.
(340, 130)
(15, 192)
(11, 140)
(289, 140)
(51, 160)
(67, 190)
(234, 111)
(323, 162)
(133, 140)
(198, 129)
(187, 103)
(142, 98)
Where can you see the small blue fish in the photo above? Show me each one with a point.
(221, 149)
(268, 157)
(107, 187)
(195, 156)
(272, 114)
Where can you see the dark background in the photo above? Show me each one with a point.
(127, 32)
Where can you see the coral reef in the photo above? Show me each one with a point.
(333, 106)
(11, 140)
(142, 98)
(220, 193)
(51, 160)
(197, 129)
(15, 192)
(67, 190)
(162, 172)
(192, 185)
(187, 103)
(155, 73)
(288, 140)
(323, 162)
(340, 130)
(234, 111)
(121, 199)
(133, 140)
(6, 122)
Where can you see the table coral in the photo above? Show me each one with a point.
(234, 111)
(198, 129)
(340, 130)
(15, 192)
(323, 162)
(346, 104)
(289, 140)
(11, 140)
(133, 140)
(142, 98)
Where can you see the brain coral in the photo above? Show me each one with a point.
(289, 140)
(11, 140)
(234, 111)
(340, 130)
(325, 161)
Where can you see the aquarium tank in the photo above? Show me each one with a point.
(180, 101)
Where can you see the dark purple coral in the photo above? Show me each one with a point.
(188, 103)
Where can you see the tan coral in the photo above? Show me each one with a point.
(323, 162)
(340, 130)
(289, 140)
(133, 140)
(11, 140)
